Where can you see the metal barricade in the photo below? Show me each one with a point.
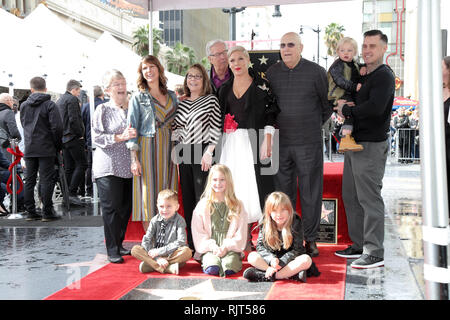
(406, 145)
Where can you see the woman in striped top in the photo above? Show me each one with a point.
(196, 127)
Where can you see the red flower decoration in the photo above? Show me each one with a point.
(230, 125)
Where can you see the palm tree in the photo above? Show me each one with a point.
(180, 58)
(140, 37)
(333, 33)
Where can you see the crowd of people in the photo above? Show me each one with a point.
(240, 146)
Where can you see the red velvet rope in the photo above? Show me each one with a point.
(19, 155)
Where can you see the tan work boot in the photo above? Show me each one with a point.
(349, 144)
(145, 268)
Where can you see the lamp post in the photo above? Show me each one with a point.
(232, 11)
(318, 30)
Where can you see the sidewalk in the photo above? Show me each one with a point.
(38, 259)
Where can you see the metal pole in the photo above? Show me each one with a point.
(150, 27)
(434, 185)
(14, 214)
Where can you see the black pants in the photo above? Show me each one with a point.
(116, 204)
(192, 181)
(75, 164)
(86, 183)
(303, 163)
(47, 175)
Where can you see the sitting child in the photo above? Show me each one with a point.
(163, 247)
(343, 81)
(219, 225)
(279, 250)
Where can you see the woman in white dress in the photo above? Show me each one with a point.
(249, 112)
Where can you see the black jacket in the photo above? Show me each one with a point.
(8, 122)
(42, 127)
(284, 255)
(215, 90)
(372, 112)
(69, 108)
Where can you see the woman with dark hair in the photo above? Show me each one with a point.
(197, 127)
(151, 112)
(446, 98)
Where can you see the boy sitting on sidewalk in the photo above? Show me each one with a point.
(163, 247)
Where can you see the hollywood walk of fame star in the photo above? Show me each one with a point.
(99, 261)
(250, 65)
(325, 214)
(263, 60)
(202, 291)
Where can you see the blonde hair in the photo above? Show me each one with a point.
(168, 194)
(349, 40)
(275, 201)
(231, 201)
(240, 49)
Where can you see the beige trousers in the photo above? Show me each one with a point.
(180, 256)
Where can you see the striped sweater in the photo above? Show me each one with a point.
(198, 121)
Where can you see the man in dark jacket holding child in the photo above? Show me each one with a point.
(42, 129)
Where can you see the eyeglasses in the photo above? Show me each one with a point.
(216, 55)
(118, 84)
(289, 45)
(194, 76)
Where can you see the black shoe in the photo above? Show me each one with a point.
(350, 253)
(32, 216)
(76, 201)
(367, 261)
(311, 249)
(50, 217)
(313, 271)
(124, 252)
(256, 275)
(118, 259)
(301, 276)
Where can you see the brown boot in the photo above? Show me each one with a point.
(349, 144)
(139, 253)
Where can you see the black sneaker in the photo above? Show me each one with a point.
(49, 217)
(367, 261)
(32, 216)
(350, 252)
(256, 275)
(301, 276)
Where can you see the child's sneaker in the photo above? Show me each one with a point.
(173, 268)
(145, 268)
(349, 144)
(255, 275)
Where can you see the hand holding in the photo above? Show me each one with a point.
(136, 168)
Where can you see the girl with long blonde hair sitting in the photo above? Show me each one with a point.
(279, 251)
(219, 225)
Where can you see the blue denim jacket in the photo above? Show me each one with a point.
(141, 116)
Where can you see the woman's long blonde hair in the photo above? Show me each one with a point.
(232, 202)
(277, 200)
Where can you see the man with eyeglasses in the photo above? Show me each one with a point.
(216, 50)
(300, 87)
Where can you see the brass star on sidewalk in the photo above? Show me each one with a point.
(99, 261)
(202, 291)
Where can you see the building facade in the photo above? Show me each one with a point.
(193, 28)
(389, 17)
(89, 17)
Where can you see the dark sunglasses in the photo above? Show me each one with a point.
(289, 45)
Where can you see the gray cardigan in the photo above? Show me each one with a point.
(175, 235)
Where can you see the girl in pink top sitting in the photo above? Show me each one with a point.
(219, 225)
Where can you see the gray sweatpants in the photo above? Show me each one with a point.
(361, 192)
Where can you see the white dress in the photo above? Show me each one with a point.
(237, 156)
